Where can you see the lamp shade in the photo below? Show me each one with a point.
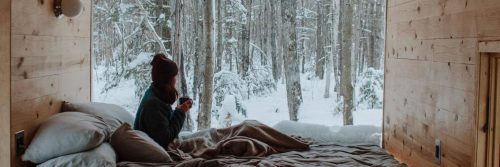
(71, 8)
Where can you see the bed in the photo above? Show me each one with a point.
(249, 143)
(215, 147)
(320, 154)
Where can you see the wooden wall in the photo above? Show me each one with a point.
(50, 62)
(4, 83)
(431, 74)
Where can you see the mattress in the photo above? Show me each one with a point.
(320, 154)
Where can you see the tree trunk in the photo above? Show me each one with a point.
(218, 61)
(274, 54)
(199, 59)
(176, 49)
(328, 75)
(346, 51)
(292, 71)
(178, 58)
(204, 116)
(320, 34)
(245, 37)
(335, 41)
(338, 64)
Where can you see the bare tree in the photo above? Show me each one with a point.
(178, 55)
(218, 54)
(320, 39)
(332, 62)
(274, 54)
(245, 36)
(204, 116)
(346, 53)
(292, 71)
(198, 58)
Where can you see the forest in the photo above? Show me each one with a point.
(231, 53)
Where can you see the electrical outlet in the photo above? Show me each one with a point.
(20, 146)
(437, 151)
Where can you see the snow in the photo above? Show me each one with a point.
(314, 109)
(141, 58)
(346, 135)
(317, 116)
(122, 95)
(228, 108)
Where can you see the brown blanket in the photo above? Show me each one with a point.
(249, 138)
(254, 144)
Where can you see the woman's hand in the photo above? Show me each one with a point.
(185, 106)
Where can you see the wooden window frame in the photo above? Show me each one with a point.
(488, 100)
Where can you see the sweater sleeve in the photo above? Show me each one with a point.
(163, 125)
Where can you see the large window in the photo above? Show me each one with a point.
(315, 62)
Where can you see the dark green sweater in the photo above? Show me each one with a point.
(156, 118)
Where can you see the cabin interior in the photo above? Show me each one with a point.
(441, 75)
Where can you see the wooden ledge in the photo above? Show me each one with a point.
(489, 47)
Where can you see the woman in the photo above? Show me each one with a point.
(155, 116)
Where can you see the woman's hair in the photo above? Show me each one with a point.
(163, 75)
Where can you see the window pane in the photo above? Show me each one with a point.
(307, 61)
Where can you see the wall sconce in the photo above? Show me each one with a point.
(69, 8)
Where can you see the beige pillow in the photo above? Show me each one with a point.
(113, 115)
(102, 156)
(65, 133)
(136, 146)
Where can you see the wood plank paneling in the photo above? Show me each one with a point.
(431, 74)
(50, 63)
(5, 83)
(37, 18)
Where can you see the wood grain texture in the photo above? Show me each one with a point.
(431, 77)
(489, 47)
(5, 83)
(50, 63)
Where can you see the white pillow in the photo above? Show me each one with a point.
(102, 156)
(112, 114)
(65, 133)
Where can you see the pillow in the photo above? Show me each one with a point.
(65, 133)
(136, 146)
(113, 115)
(102, 156)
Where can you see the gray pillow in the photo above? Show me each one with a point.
(136, 146)
(113, 115)
(102, 156)
(65, 133)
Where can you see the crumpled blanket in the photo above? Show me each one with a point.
(252, 143)
(249, 138)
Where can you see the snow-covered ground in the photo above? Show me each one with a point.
(314, 109)
(271, 109)
(268, 110)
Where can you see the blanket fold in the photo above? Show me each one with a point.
(254, 144)
(249, 138)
